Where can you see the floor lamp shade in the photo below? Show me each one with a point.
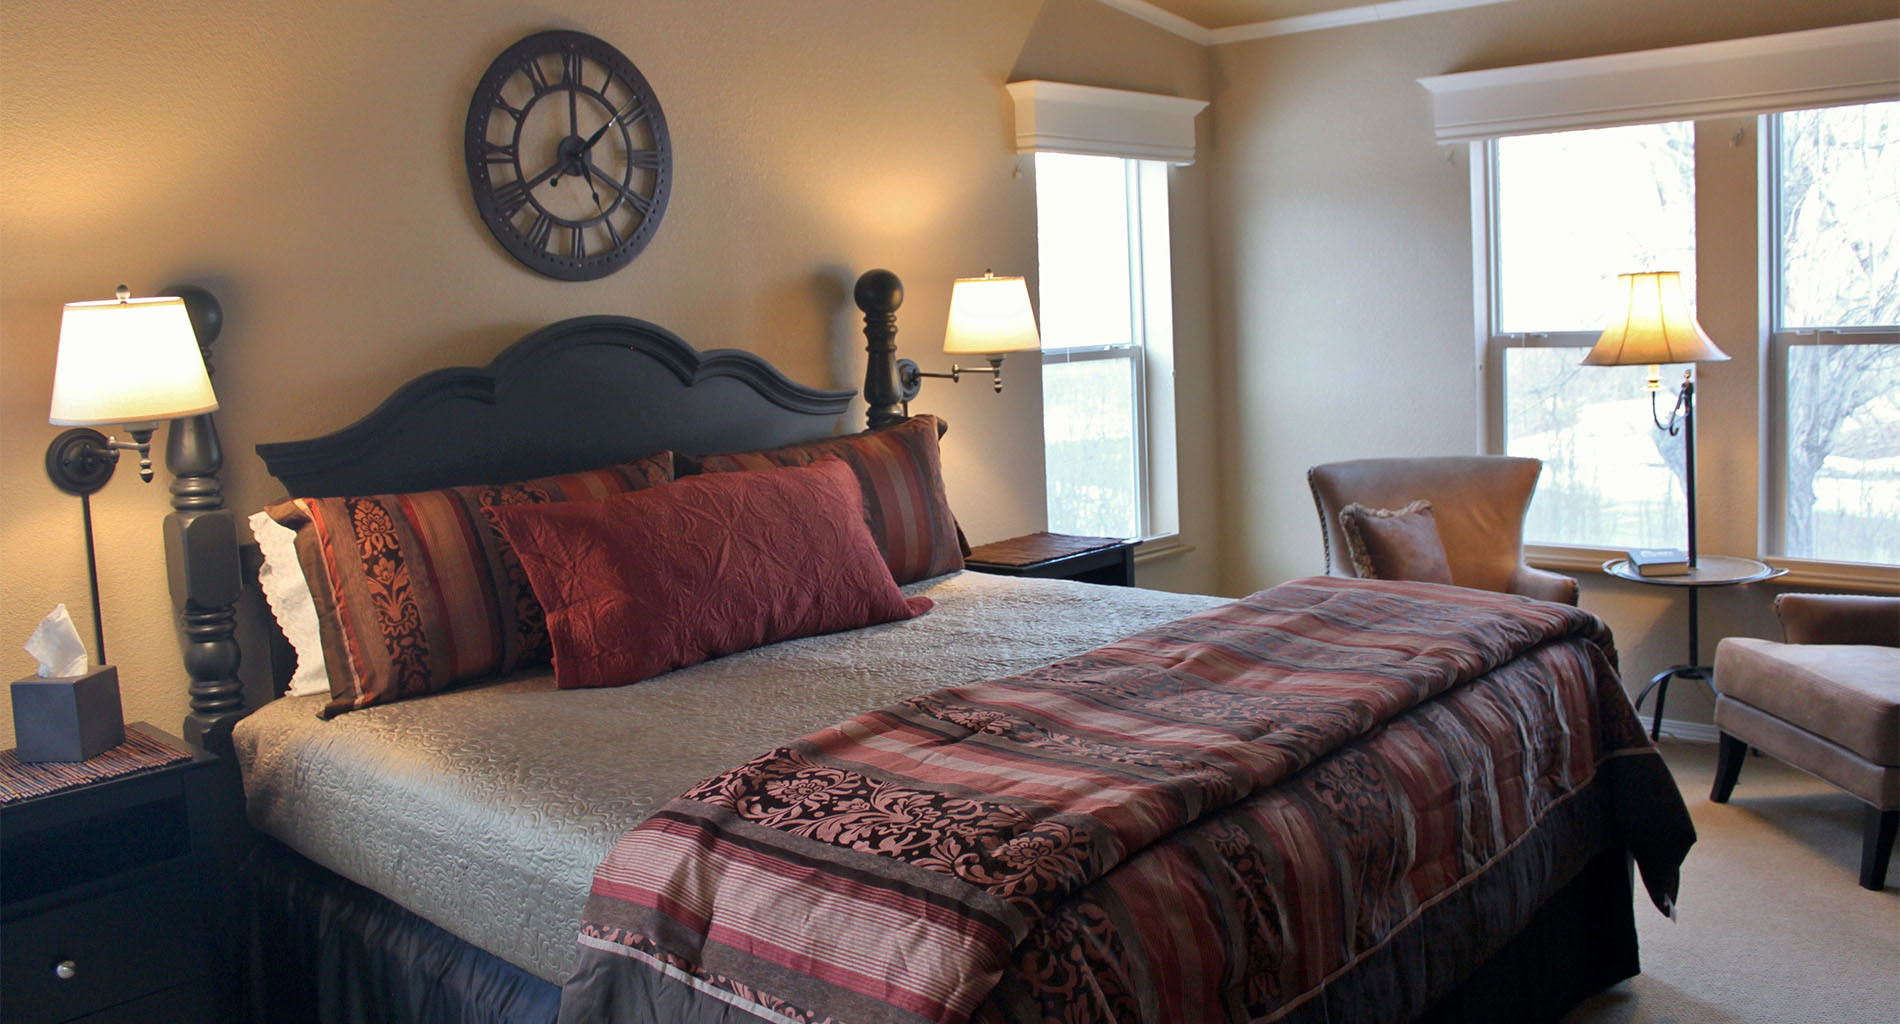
(1652, 326)
(128, 361)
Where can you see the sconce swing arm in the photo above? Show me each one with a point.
(910, 378)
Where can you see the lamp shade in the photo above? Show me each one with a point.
(128, 361)
(990, 315)
(1653, 326)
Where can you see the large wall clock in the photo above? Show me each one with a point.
(568, 155)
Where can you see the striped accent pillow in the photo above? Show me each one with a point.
(418, 592)
(901, 474)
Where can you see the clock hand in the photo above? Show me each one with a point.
(602, 130)
(543, 176)
(588, 172)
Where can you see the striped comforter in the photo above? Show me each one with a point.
(1205, 821)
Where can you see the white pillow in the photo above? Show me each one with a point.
(288, 594)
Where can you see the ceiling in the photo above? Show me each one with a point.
(1221, 21)
(1229, 13)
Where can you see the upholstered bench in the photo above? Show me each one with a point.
(1827, 702)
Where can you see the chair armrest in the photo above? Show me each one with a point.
(1839, 619)
(1544, 586)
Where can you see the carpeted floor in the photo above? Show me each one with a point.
(1773, 925)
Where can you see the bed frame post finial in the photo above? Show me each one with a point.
(878, 294)
(201, 554)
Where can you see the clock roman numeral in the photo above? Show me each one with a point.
(640, 203)
(540, 231)
(510, 197)
(645, 159)
(577, 242)
(496, 153)
(612, 232)
(571, 68)
(635, 112)
(536, 77)
(513, 112)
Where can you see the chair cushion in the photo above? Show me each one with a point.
(1395, 544)
(1848, 693)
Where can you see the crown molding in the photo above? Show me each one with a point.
(1841, 64)
(1060, 117)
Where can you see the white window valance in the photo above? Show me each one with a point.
(1815, 68)
(1058, 117)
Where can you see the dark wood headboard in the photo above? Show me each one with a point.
(577, 394)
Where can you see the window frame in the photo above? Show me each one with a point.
(1149, 350)
(1781, 339)
(1490, 345)
(1493, 419)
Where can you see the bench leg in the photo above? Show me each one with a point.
(1728, 767)
(1876, 845)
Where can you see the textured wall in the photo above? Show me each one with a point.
(304, 162)
(1342, 245)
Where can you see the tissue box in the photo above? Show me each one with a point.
(68, 719)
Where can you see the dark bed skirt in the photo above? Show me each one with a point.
(325, 950)
(328, 951)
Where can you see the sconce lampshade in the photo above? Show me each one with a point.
(1654, 326)
(990, 315)
(128, 361)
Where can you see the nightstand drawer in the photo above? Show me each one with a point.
(121, 944)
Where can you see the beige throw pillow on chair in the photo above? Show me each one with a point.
(1395, 544)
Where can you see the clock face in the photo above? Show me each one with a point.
(568, 155)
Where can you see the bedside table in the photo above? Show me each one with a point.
(110, 898)
(1058, 556)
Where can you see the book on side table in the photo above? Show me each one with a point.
(1659, 561)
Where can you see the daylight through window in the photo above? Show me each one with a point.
(1571, 211)
(1836, 192)
(1107, 316)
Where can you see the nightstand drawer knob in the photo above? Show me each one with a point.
(65, 970)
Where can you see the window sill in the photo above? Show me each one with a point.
(1802, 572)
(1155, 549)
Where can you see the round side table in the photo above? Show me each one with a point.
(1709, 571)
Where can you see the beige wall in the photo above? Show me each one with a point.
(304, 162)
(1344, 279)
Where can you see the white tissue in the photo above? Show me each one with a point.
(56, 645)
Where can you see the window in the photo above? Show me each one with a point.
(1569, 211)
(1835, 189)
(1107, 344)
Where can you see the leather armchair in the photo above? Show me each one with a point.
(1478, 503)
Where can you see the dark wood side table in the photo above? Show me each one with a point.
(1058, 556)
(1710, 571)
(110, 898)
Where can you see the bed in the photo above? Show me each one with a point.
(460, 855)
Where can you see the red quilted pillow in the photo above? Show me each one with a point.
(416, 592)
(639, 584)
(900, 472)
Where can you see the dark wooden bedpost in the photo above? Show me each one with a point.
(879, 293)
(201, 554)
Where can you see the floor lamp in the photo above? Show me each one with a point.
(1655, 327)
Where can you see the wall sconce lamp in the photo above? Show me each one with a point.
(989, 316)
(130, 361)
(1654, 327)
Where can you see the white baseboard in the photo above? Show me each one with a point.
(1694, 732)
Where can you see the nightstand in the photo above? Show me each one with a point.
(110, 898)
(1058, 556)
